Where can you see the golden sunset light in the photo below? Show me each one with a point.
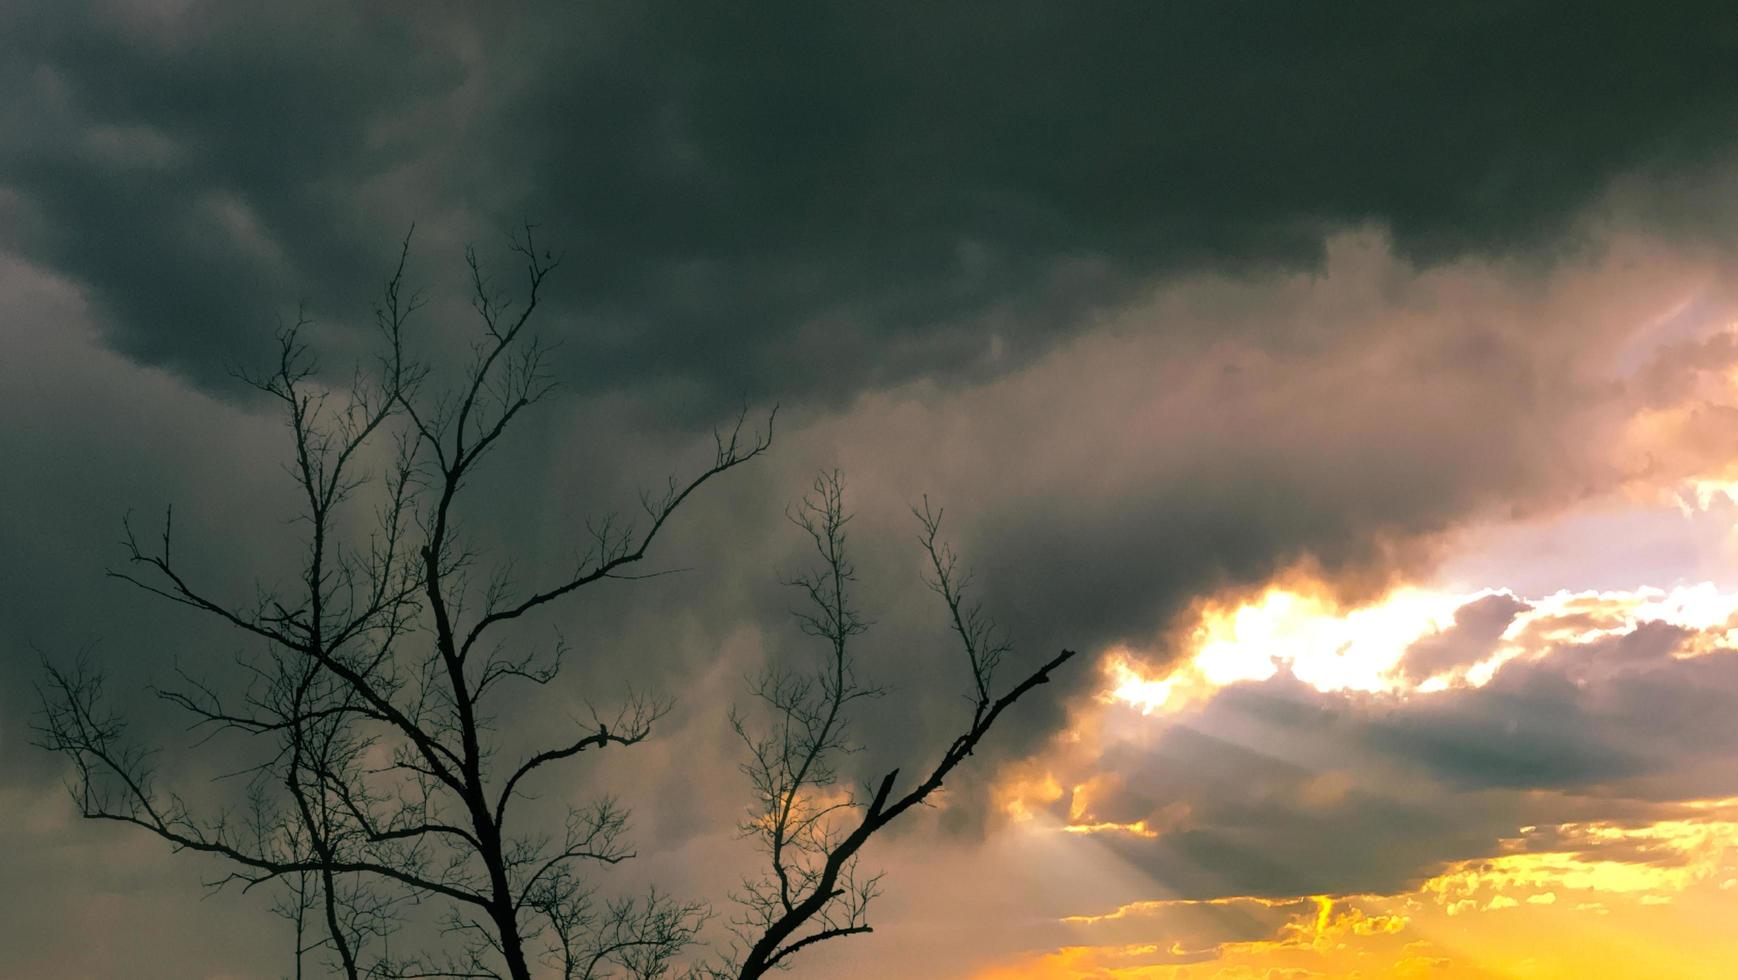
(1569, 899)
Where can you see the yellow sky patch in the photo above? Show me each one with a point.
(1550, 915)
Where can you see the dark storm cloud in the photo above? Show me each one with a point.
(797, 199)
(200, 172)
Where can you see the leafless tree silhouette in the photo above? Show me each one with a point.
(372, 687)
(810, 829)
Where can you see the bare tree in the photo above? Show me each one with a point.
(375, 780)
(812, 830)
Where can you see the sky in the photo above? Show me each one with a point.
(1353, 385)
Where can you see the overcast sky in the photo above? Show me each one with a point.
(1355, 385)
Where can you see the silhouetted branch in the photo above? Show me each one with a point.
(369, 685)
(811, 833)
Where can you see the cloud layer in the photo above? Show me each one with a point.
(802, 202)
(1591, 763)
(1163, 304)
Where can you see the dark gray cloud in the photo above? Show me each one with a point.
(240, 142)
(798, 200)
(1473, 637)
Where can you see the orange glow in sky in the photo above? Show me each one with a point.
(1647, 894)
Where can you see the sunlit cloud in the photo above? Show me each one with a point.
(1364, 650)
(1358, 649)
(1304, 632)
(1701, 495)
(1652, 861)
(1545, 899)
